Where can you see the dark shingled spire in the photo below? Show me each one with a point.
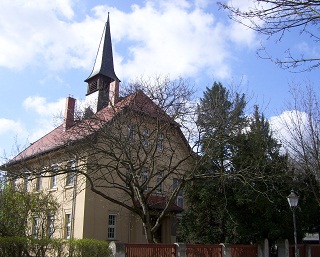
(104, 60)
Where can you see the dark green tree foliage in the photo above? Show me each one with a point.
(260, 195)
(220, 119)
(247, 201)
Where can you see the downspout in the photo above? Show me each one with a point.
(74, 193)
(129, 229)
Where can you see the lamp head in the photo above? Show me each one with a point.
(293, 199)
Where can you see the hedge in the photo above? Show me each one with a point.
(28, 247)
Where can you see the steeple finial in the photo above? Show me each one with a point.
(104, 60)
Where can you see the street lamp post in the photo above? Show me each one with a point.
(293, 200)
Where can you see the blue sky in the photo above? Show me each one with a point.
(47, 50)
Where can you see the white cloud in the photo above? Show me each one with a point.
(31, 31)
(247, 6)
(49, 114)
(42, 107)
(176, 40)
(7, 125)
(169, 37)
(11, 132)
(288, 126)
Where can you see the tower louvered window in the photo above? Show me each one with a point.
(93, 86)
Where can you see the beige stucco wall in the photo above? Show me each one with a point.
(90, 211)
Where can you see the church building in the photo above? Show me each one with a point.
(115, 165)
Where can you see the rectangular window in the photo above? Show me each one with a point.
(112, 226)
(50, 220)
(71, 166)
(130, 133)
(35, 227)
(159, 181)
(39, 183)
(26, 182)
(68, 225)
(128, 179)
(15, 184)
(160, 142)
(53, 182)
(145, 137)
(179, 200)
(144, 179)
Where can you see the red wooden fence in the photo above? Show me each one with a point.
(204, 251)
(244, 250)
(169, 250)
(150, 250)
(315, 250)
(302, 251)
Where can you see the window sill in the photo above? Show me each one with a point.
(53, 189)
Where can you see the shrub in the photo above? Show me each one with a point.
(44, 247)
(13, 247)
(88, 248)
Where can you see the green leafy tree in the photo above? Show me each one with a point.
(19, 209)
(248, 201)
(220, 118)
(261, 209)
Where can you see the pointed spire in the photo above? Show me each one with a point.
(104, 60)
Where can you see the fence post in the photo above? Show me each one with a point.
(283, 248)
(181, 250)
(117, 249)
(226, 250)
(308, 251)
(263, 248)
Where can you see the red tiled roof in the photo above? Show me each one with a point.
(59, 137)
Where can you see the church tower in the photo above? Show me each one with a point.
(103, 83)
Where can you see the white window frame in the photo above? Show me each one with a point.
(131, 133)
(50, 222)
(71, 175)
(112, 222)
(145, 137)
(68, 223)
(35, 227)
(54, 178)
(26, 183)
(144, 179)
(179, 200)
(159, 178)
(38, 183)
(160, 141)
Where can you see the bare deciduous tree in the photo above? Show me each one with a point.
(277, 18)
(126, 153)
(300, 135)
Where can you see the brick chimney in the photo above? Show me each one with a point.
(69, 112)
